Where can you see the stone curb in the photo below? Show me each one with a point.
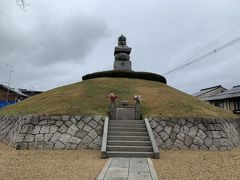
(152, 170)
(104, 170)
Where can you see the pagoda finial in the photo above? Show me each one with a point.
(121, 53)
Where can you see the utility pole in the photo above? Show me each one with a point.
(9, 79)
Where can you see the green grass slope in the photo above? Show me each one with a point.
(91, 97)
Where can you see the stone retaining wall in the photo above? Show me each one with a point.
(190, 133)
(82, 132)
(52, 132)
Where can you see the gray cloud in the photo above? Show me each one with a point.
(56, 42)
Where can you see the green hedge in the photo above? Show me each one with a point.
(126, 74)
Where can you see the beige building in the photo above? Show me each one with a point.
(227, 99)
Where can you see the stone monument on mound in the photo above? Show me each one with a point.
(121, 53)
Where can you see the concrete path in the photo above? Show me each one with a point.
(128, 169)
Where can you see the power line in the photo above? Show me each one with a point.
(205, 55)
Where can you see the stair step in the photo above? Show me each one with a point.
(126, 122)
(130, 148)
(130, 154)
(127, 133)
(127, 125)
(129, 129)
(129, 138)
(129, 143)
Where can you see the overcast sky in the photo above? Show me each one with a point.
(54, 43)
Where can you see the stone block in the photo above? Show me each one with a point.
(168, 130)
(59, 145)
(87, 119)
(81, 124)
(225, 142)
(208, 142)
(216, 143)
(173, 136)
(87, 128)
(64, 138)
(185, 130)
(99, 130)
(188, 141)
(87, 140)
(65, 118)
(53, 129)
(193, 131)
(93, 134)
(68, 123)
(59, 123)
(201, 134)
(158, 129)
(101, 122)
(32, 145)
(81, 134)
(36, 130)
(73, 120)
(178, 144)
(51, 122)
(198, 141)
(94, 146)
(39, 137)
(47, 137)
(176, 128)
(44, 129)
(82, 145)
(97, 118)
(180, 136)
(164, 135)
(29, 138)
(20, 137)
(98, 140)
(73, 147)
(202, 127)
(159, 141)
(48, 146)
(78, 118)
(213, 148)
(194, 147)
(35, 120)
(189, 125)
(168, 143)
(162, 123)
(43, 122)
(27, 128)
(93, 124)
(55, 137)
(63, 129)
(153, 124)
(216, 134)
(75, 140)
(203, 147)
(72, 129)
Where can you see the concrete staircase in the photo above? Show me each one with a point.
(129, 138)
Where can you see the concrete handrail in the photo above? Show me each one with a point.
(152, 139)
(104, 140)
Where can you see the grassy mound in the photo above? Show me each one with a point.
(91, 97)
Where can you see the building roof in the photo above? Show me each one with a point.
(231, 93)
(13, 90)
(206, 90)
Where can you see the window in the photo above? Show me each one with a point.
(219, 104)
(237, 104)
(122, 63)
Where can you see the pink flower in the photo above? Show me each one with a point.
(112, 97)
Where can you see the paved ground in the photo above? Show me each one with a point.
(128, 169)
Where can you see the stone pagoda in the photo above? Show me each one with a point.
(121, 53)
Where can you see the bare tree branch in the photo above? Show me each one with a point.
(22, 4)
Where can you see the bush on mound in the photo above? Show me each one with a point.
(127, 74)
